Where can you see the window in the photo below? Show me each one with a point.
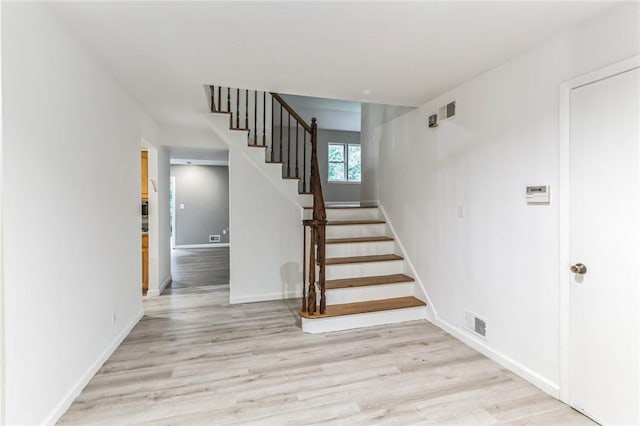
(344, 162)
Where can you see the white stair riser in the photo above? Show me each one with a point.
(348, 214)
(305, 199)
(346, 231)
(359, 249)
(364, 269)
(347, 322)
(371, 292)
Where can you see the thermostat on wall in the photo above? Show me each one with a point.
(538, 194)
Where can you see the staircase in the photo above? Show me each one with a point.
(352, 274)
(365, 280)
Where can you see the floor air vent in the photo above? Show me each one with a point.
(475, 324)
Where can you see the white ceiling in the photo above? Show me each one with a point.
(332, 114)
(386, 52)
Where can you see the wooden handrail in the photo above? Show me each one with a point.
(291, 111)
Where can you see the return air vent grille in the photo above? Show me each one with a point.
(447, 111)
(475, 324)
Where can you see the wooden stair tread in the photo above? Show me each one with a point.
(367, 307)
(367, 281)
(358, 240)
(356, 222)
(362, 259)
(239, 128)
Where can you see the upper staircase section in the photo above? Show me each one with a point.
(271, 124)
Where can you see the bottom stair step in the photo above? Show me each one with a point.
(367, 307)
(365, 314)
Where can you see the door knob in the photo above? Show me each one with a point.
(579, 268)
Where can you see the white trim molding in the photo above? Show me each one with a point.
(509, 363)
(196, 246)
(564, 192)
(66, 402)
(165, 283)
(431, 310)
(464, 336)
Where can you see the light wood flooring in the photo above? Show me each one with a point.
(197, 270)
(195, 359)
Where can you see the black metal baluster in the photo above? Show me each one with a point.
(297, 132)
(237, 108)
(281, 110)
(273, 108)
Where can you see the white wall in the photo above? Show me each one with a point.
(266, 236)
(164, 220)
(501, 260)
(2, 322)
(71, 213)
(265, 220)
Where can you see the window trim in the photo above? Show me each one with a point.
(345, 155)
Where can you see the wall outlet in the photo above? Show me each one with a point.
(214, 238)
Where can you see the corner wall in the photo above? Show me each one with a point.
(2, 321)
(71, 213)
(500, 260)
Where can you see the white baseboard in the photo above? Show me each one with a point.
(185, 246)
(165, 283)
(73, 393)
(265, 297)
(481, 346)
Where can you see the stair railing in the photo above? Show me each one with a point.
(273, 124)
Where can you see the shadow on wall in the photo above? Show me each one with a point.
(290, 274)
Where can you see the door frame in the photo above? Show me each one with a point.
(564, 192)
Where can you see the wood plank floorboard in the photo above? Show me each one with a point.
(193, 269)
(194, 359)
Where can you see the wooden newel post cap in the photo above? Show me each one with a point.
(313, 120)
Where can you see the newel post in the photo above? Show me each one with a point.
(319, 214)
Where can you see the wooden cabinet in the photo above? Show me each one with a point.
(145, 263)
(144, 175)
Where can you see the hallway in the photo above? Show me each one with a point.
(196, 359)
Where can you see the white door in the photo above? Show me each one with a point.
(605, 238)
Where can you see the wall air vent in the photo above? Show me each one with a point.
(214, 238)
(475, 324)
(447, 111)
